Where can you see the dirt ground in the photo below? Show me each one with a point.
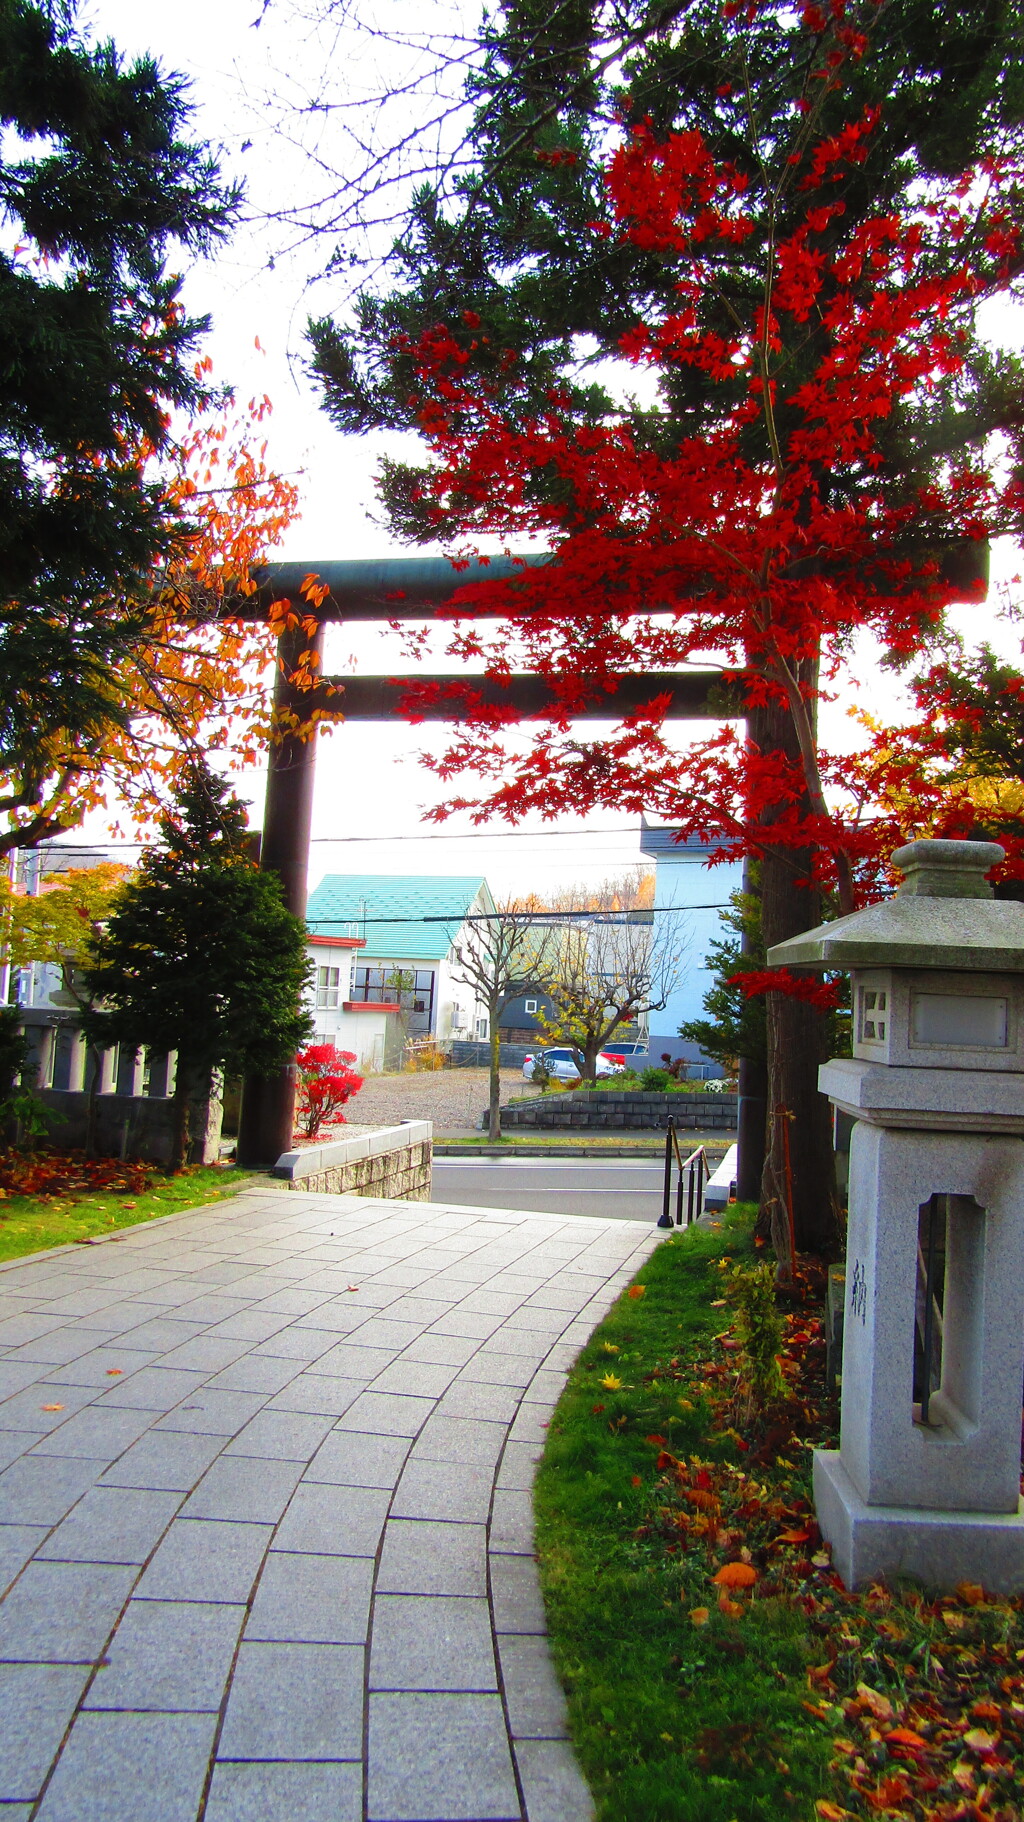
(453, 1098)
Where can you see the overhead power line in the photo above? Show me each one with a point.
(539, 917)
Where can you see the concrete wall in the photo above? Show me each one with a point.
(390, 1161)
(596, 1110)
(130, 1126)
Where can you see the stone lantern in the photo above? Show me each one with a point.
(926, 1481)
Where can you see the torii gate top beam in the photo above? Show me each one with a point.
(383, 588)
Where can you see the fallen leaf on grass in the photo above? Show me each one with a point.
(880, 1705)
(636, 1290)
(830, 1812)
(700, 1615)
(979, 1741)
(971, 1592)
(904, 1736)
(611, 1384)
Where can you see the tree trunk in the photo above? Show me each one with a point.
(494, 1098)
(196, 1114)
(798, 1185)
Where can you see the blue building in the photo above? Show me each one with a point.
(684, 881)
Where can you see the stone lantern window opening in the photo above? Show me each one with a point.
(950, 1276)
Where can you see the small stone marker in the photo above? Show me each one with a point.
(926, 1481)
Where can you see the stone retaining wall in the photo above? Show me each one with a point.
(389, 1161)
(594, 1110)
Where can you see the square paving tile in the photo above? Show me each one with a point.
(17, 1544)
(206, 1560)
(536, 1705)
(327, 1520)
(255, 1373)
(40, 1489)
(111, 1525)
(415, 1376)
(295, 1702)
(444, 1489)
(422, 1556)
(213, 1413)
(321, 1394)
(164, 1461)
(168, 1656)
(286, 1793)
(62, 1612)
(439, 1642)
(151, 1388)
(386, 1414)
(37, 1702)
(467, 1440)
(97, 1431)
(515, 1594)
(281, 1436)
(45, 1406)
(352, 1458)
(553, 1785)
(512, 1523)
(312, 1600)
(440, 1758)
(347, 1361)
(519, 1466)
(131, 1768)
(242, 1487)
(471, 1398)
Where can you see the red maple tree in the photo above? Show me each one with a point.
(771, 539)
(326, 1082)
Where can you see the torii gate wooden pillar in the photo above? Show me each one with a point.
(404, 588)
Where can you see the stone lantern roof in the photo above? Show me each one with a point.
(943, 915)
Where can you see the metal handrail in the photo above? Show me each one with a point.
(696, 1170)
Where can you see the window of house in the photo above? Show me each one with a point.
(481, 1028)
(413, 988)
(328, 981)
(529, 1005)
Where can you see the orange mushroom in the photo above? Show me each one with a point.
(735, 1575)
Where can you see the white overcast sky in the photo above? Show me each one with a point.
(371, 789)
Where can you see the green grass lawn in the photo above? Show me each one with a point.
(31, 1224)
(691, 1701)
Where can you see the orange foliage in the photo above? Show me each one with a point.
(199, 677)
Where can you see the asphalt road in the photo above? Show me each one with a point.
(625, 1189)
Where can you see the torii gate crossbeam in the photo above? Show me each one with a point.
(405, 589)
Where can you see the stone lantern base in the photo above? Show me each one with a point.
(870, 1543)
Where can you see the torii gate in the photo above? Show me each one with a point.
(400, 588)
(411, 588)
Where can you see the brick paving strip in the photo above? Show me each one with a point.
(265, 1513)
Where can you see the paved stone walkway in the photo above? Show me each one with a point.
(265, 1520)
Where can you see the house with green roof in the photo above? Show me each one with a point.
(381, 946)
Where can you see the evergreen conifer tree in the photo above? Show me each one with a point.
(201, 955)
(99, 184)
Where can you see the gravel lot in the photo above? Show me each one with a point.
(453, 1098)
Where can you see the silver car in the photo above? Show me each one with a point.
(561, 1065)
